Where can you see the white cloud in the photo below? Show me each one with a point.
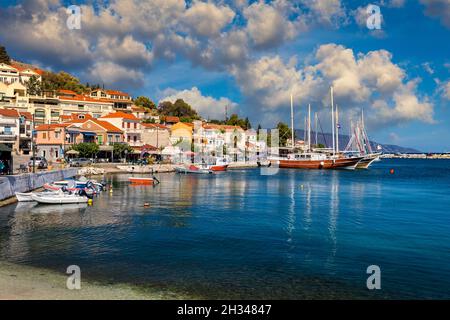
(268, 25)
(330, 12)
(360, 80)
(427, 67)
(114, 75)
(446, 90)
(208, 19)
(206, 106)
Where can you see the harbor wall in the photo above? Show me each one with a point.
(26, 182)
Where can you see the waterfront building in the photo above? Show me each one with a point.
(129, 124)
(10, 129)
(121, 101)
(181, 135)
(155, 134)
(50, 140)
(16, 73)
(96, 131)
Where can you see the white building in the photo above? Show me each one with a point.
(129, 124)
(10, 128)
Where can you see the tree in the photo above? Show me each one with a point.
(149, 120)
(284, 133)
(234, 120)
(119, 149)
(4, 57)
(62, 80)
(85, 149)
(34, 86)
(178, 109)
(144, 102)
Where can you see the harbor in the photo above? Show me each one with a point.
(238, 234)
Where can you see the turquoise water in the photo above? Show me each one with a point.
(297, 234)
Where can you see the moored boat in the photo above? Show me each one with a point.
(367, 160)
(192, 169)
(141, 180)
(26, 196)
(316, 161)
(220, 165)
(60, 198)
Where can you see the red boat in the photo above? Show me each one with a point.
(220, 165)
(142, 181)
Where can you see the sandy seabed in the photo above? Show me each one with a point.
(18, 282)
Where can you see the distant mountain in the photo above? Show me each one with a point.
(327, 140)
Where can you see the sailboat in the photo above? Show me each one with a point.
(359, 143)
(317, 160)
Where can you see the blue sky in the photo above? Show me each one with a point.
(250, 55)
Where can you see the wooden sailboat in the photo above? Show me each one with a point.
(316, 160)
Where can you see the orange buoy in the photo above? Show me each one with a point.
(392, 171)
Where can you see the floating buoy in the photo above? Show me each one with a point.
(146, 204)
(90, 202)
(392, 171)
(301, 186)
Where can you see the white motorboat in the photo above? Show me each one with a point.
(59, 198)
(26, 196)
(192, 169)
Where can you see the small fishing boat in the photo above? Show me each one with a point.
(140, 180)
(220, 165)
(59, 198)
(192, 169)
(26, 196)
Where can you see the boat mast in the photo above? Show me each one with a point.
(332, 119)
(315, 127)
(292, 121)
(309, 127)
(337, 129)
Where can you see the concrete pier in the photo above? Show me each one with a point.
(26, 182)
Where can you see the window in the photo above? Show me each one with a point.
(134, 138)
(123, 124)
(117, 138)
(100, 139)
(54, 114)
(56, 135)
(94, 94)
(135, 125)
(128, 125)
(110, 137)
(39, 113)
(80, 107)
(44, 135)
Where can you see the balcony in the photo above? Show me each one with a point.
(7, 136)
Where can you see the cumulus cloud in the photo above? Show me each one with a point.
(330, 12)
(206, 106)
(268, 25)
(445, 89)
(359, 80)
(438, 9)
(208, 19)
(114, 75)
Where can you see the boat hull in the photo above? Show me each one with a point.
(367, 161)
(141, 181)
(24, 197)
(219, 167)
(344, 163)
(59, 199)
(192, 170)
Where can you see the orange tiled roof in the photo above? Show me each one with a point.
(108, 126)
(83, 98)
(23, 66)
(120, 114)
(117, 93)
(67, 92)
(26, 115)
(47, 127)
(171, 119)
(11, 113)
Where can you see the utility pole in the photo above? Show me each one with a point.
(33, 145)
(332, 120)
(292, 121)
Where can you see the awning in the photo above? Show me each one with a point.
(4, 148)
(89, 134)
(72, 152)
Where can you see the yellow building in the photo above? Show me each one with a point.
(181, 135)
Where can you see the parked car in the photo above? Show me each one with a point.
(79, 162)
(39, 162)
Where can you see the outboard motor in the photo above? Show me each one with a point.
(83, 192)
